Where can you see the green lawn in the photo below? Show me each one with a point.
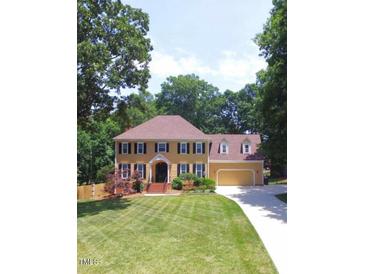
(282, 197)
(181, 234)
(277, 181)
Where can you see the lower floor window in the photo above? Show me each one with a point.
(140, 170)
(124, 171)
(183, 168)
(199, 170)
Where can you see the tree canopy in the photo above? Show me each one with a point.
(113, 52)
(272, 83)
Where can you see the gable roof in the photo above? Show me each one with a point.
(164, 127)
(235, 142)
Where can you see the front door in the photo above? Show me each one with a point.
(161, 172)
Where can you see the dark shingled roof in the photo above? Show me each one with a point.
(235, 142)
(164, 127)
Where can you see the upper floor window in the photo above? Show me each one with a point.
(140, 148)
(199, 148)
(183, 148)
(161, 147)
(224, 148)
(125, 148)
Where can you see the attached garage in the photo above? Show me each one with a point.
(235, 177)
(234, 173)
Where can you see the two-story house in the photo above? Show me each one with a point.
(168, 145)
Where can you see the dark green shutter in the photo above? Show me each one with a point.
(129, 170)
(194, 148)
(203, 169)
(167, 147)
(203, 148)
(135, 148)
(194, 168)
(187, 168)
(178, 148)
(187, 148)
(129, 148)
(144, 148)
(144, 171)
(155, 147)
(120, 148)
(178, 169)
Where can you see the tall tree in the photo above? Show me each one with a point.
(113, 52)
(190, 97)
(95, 148)
(140, 108)
(272, 101)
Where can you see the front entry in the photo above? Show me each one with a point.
(161, 172)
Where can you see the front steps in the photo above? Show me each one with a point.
(158, 188)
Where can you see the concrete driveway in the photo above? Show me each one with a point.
(267, 214)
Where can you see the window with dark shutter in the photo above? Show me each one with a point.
(178, 148)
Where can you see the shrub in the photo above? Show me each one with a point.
(208, 182)
(138, 186)
(187, 176)
(177, 183)
(198, 181)
(137, 182)
(102, 173)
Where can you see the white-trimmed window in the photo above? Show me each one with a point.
(161, 147)
(199, 170)
(183, 168)
(199, 148)
(224, 148)
(247, 148)
(125, 148)
(140, 148)
(140, 170)
(183, 148)
(124, 170)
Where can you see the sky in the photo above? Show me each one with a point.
(211, 38)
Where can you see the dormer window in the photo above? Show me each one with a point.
(246, 148)
(224, 148)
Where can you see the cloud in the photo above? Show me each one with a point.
(231, 69)
(164, 65)
(240, 69)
